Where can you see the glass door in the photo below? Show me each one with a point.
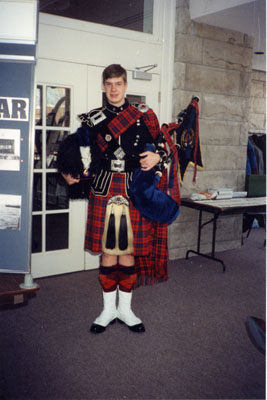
(58, 225)
(50, 221)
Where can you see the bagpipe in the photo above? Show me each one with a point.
(184, 142)
(182, 138)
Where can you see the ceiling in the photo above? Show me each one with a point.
(247, 16)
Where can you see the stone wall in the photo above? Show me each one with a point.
(257, 109)
(215, 65)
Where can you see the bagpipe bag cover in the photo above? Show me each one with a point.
(151, 202)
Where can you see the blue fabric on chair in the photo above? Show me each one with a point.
(151, 202)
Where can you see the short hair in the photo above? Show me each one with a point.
(114, 71)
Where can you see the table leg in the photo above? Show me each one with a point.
(200, 226)
(199, 230)
(214, 234)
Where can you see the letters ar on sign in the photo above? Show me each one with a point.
(14, 109)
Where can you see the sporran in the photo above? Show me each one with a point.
(118, 234)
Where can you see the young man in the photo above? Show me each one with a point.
(133, 249)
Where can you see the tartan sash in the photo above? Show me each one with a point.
(152, 123)
(118, 125)
(124, 120)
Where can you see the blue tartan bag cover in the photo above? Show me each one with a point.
(151, 202)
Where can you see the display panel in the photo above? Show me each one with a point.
(16, 164)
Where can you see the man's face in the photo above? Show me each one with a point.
(115, 89)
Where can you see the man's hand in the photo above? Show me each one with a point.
(148, 160)
(69, 179)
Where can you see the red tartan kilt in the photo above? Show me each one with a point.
(142, 228)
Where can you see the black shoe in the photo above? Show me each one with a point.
(95, 328)
(138, 328)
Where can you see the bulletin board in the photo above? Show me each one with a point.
(17, 82)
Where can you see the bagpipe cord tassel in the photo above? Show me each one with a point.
(123, 232)
(111, 236)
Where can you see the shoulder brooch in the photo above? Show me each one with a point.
(142, 107)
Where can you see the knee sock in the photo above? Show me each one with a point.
(126, 278)
(108, 277)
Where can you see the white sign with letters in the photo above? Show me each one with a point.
(10, 149)
(14, 109)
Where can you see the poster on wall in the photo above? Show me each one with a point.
(10, 212)
(9, 149)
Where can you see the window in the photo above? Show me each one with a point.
(136, 15)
